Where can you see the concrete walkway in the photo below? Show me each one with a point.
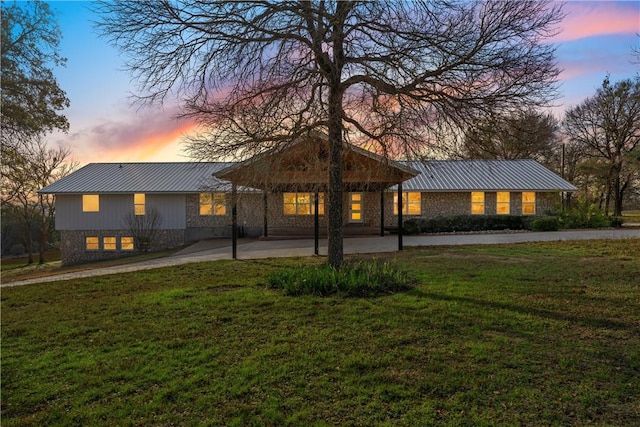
(216, 249)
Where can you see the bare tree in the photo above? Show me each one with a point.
(381, 74)
(607, 125)
(31, 165)
(521, 135)
(143, 228)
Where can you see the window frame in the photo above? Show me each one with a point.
(123, 243)
(212, 204)
(88, 246)
(88, 201)
(529, 203)
(476, 203)
(503, 203)
(299, 206)
(139, 207)
(109, 243)
(408, 205)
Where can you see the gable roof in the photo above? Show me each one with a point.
(182, 177)
(196, 177)
(484, 175)
(303, 165)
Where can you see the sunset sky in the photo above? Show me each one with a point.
(596, 39)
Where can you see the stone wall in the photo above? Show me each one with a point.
(73, 244)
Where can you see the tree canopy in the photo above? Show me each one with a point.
(386, 75)
(521, 135)
(606, 127)
(31, 97)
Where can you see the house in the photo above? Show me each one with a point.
(102, 207)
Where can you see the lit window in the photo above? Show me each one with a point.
(90, 203)
(109, 243)
(92, 243)
(502, 204)
(213, 204)
(219, 205)
(205, 204)
(302, 203)
(528, 203)
(138, 203)
(410, 203)
(126, 243)
(477, 203)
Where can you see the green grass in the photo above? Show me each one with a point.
(530, 334)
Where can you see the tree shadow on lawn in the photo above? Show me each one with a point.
(548, 314)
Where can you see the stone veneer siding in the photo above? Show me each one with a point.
(73, 244)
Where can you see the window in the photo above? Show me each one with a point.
(213, 204)
(302, 203)
(477, 203)
(502, 204)
(138, 203)
(528, 203)
(90, 203)
(109, 243)
(126, 243)
(410, 203)
(92, 243)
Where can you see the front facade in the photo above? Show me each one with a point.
(107, 210)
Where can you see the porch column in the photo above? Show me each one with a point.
(382, 212)
(265, 205)
(234, 221)
(316, 224)
(400, 216)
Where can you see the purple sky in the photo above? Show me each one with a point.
(596, 39)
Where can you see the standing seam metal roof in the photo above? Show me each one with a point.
(194, 177)
(140, 178)
(484, 175)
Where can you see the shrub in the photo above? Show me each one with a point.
(470, 223)
(411, 226)
(356, 279)
(616, 221)
(546, 223)
(584, 215)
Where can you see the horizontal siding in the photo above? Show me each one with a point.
(114, 208)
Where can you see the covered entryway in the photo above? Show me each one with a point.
(297, 175)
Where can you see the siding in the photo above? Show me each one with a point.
(113, 210)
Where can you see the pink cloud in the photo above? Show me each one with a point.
(587, 19)
(143, 135)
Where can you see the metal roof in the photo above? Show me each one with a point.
(484, 175)
(183, 177)
(195, 177)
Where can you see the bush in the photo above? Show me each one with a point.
(584, 215)
(357, 279)
(546, 223)
(470, 223)
(411, 226)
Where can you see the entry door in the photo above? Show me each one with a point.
(355, 207)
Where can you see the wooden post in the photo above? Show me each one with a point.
(316, 224)
(400, 216)
(382, 212)
(265, 230)
(234, 222)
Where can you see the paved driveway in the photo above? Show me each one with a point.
(215, 249)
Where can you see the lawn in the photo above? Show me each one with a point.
(527, 334)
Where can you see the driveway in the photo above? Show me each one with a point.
(215, 249)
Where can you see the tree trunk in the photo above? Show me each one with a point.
(43, 242)
(334, 230)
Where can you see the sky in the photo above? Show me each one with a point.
(105, 126)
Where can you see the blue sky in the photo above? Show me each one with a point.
(596, 40)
